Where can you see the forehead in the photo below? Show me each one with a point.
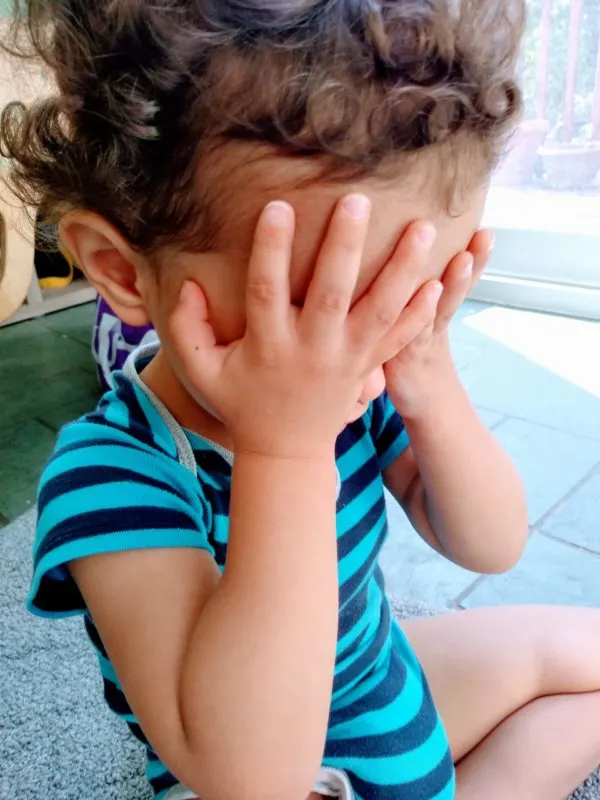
(395, 203)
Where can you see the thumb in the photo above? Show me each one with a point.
(193, 336)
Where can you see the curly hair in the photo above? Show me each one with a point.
(149, 92)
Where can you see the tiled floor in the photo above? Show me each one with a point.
(536, 383)
(46, 378)
(533, 377)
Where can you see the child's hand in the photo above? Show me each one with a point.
(288, 387)
(416, 376)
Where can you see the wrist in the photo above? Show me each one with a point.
(284, 449)
(424, 396)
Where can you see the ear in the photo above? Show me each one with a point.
(111, 265)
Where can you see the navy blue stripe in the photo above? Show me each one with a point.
(389, 434)
(360, 480)
(139, 734)
(352, 611)
(115, 699)
(352, 584)
(220, 549)
(354, 535)
(390, 743)
(94, 636)
(351, 434)
(379, 697)
(83, 477)
(67, 598)
(366, 660)
(421, 789)
(163, 782)
(354, 645)
(212, 462)
(113, 520)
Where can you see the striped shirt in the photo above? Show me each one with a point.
(119, 480)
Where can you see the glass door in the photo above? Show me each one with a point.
(545, 198)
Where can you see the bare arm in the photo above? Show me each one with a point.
(221, 672)
(231, 677)
(459, 488)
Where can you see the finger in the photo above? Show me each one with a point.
(192, 335)
(396, 284)
(418, 315)
(332, 287)
(457, 281)
(480, 247)
(268, 284)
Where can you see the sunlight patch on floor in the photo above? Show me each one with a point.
(569, 348)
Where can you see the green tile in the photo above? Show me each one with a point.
(57, 400)
(30, 355)
(76, 323)
(63, 413)
(24, 449)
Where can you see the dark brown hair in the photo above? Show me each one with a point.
(149, 92)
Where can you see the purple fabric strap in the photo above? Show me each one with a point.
(114, 340)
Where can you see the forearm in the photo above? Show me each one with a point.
(468, 491)
(257, 681)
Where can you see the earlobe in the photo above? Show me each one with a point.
(112, 266)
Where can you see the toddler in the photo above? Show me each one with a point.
(289, 192)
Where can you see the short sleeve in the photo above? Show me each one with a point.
(104, 492)
(387, 431)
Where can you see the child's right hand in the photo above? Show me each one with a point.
(287, 388)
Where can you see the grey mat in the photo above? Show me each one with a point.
(57, 739)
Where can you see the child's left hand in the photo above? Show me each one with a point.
(416, 377)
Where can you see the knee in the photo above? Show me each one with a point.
(567, 650)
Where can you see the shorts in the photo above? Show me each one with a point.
(330, 783)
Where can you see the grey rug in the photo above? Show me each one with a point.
(57, 739)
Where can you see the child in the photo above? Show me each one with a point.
(290, 191)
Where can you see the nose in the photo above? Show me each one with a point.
(373, 386)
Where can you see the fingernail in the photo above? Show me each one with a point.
(426, 235)
(492, 243)
(357, 206)
(468, 267)
(277, 213)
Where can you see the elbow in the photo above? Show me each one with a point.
(507, 555)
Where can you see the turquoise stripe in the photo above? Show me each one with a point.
(220, 528)
(349, 515)
(402, 710)
(154, 769)
(107, 669)
(104, 455)
(404, 768)
(105, 496)
(356, 558)
(356, 456)
(117, 413)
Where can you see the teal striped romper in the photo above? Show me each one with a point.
(127, 477)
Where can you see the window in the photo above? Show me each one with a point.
(545, 197)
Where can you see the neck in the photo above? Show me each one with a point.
(160, 377)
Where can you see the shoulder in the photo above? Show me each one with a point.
(113, 483)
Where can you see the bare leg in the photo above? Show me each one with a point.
(519, 692)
